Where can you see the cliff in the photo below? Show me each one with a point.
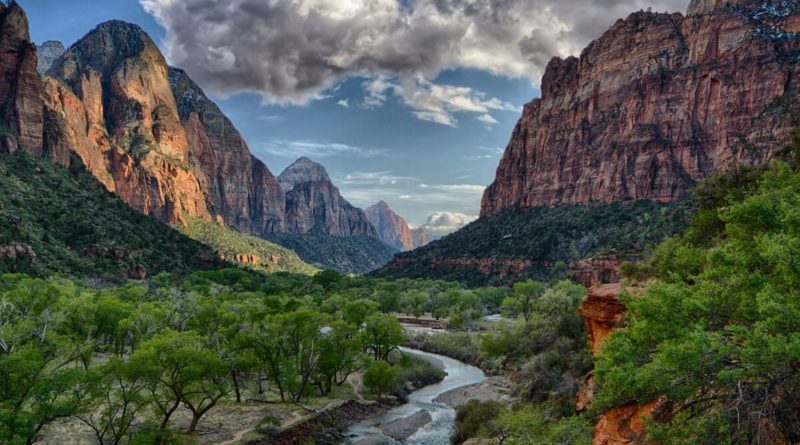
(393, 229)
(655, 104)
(313, 203)
(47, 53)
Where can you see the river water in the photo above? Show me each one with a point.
(439, 430)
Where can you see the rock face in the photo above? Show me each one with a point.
(601, 311)
(313, 203)
(655, 104)
(21, 115)
(47, 53)
(393, 229)
(625, 425)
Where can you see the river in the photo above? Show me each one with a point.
(440, 428)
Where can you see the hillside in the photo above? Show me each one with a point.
(344, 254)
(528, 243)
(250, 251)
(59, 221)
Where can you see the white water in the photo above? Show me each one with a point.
(439, 430)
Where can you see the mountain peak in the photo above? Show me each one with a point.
(14, 23)
(393, 228)
(106, 46)
(302, 170)
(47, 53)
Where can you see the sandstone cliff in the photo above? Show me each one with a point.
(21, 115)
(655, 104)
(313, 203)
(393, 229)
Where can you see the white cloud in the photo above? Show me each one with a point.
(344, 103)
(292, 50)
(487, 119)
(442, 223)
(381, 178)
(294, 149)
(434, 102)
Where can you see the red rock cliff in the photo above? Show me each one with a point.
(655, 104)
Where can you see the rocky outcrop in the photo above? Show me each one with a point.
(47, 53)
(314, 204)
(599, 269)
(601, 311)
(392, 228)
(625, 425)
(655, 104)
(21, 114)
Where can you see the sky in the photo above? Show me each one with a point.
(407, 101)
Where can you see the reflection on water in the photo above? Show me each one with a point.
(439, 430)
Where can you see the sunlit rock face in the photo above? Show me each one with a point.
(393, 229)
(655, 104)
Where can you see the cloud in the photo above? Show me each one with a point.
(442, 223)
(381, 178)
(487, 119)
(293, 50)
(344, 103)
(294, 149)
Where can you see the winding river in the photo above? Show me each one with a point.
(440, 428)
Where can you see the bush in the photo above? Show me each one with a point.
(381, 378)
(472, 417)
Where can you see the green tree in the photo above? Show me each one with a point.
(382, 334)
(381, 378)
(180, 368)
(522, 300)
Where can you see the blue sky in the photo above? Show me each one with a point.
(411, 102)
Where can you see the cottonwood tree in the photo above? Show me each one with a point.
(382, 334)
(522, 300)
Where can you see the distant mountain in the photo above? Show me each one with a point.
(420, 237)
(596, 168)
(392, 228)
(313, 203)
(47, 53)
(324, 229)
(149, 134)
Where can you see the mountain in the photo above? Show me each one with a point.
(324, 229)
(313, 203)
(655, 104)
(393, 229)
(47, 53)
(420, 237)
(149, 134)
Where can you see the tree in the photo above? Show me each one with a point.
(381, 378)
(523, 298)
(180, 368)
(118, 397)
(382, 334)
(341, 355)
(356, 312)
(414, 302)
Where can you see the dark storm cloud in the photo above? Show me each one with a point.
(292, 50)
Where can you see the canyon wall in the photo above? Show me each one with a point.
(655, 104)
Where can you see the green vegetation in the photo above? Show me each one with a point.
(345, 254)
(717, 331)
(122, 361)
(545, 236)
(62, 221)
(229, 243)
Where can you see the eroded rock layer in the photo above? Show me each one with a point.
(655, 104)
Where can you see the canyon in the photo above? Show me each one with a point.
(150, 134)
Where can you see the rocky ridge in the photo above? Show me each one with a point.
(655, 104)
